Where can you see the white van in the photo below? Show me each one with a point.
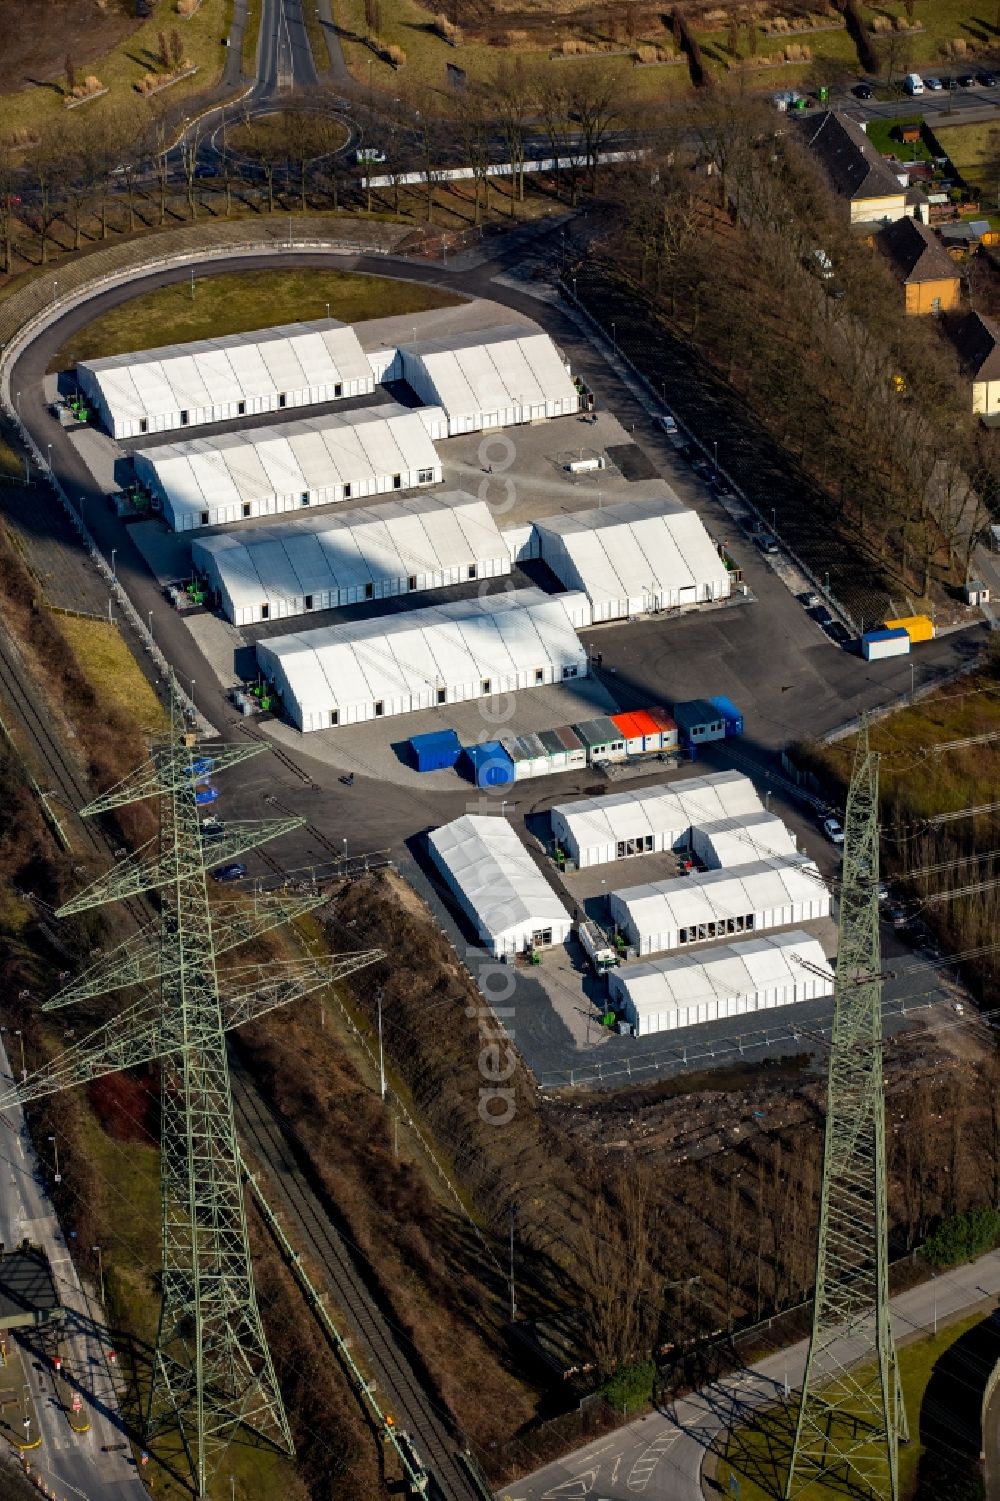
(913, 84)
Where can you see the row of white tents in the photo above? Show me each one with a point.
(482, 378)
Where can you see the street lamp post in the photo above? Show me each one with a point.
(614, 337)
(49, 459)
(911, 683)
(150, 625)
(774, 518)
(20, 1037)
(114, 550)
(55, 1153)
(100, 1267)
(381, 1054)
(715, 458)
(327, 314)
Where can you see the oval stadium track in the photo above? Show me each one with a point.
(385, 1346)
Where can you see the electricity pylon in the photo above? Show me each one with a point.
(212, 1370)
(851, 1416)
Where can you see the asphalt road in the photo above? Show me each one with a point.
(660, 1457)
(73, 1462)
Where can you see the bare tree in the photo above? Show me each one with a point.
(474, 130)
(10, 197)
(46, 167)
(597, 94)
(511, 97)
(615, 1272)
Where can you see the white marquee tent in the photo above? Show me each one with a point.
(490, 377)
(595, 830)
(498, 885)
(737, 841)
(329, 561)
(635, 557)
(738, 979)
(214, 380)
(268, 470)
(467, 649)
(709, 904)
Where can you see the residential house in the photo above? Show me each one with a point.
(977, 340)
(931, 283)
(857, 170)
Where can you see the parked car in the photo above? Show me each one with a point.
(810, 600)
(202, 768)
(838, 633)
(212, 827)
(821, 615)
(205, 169)
(834, 830)
(913, 84)
(863, 91)
(687, 451)
(987, 80)
(934, 84)
(369, 156)
(766, 542)
(966, 81)
(205, 795)
(897, 914)
(701, 466)
(669, 423)
(234, 872)
(721, 486)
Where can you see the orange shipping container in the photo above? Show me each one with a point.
(917, 627)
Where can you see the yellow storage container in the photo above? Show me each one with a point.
(917, 627)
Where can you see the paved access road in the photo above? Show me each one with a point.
(659, 1458)
(73, 1464)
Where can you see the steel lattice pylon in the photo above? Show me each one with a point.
(851, 1415)
(212, 1369)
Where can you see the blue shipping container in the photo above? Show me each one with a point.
(488, 765)
(730, 713)
(435, 752)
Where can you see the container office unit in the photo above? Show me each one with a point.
(498, 886)
(576, 751)
(714, 904)
(699, 721)
(601, 738)
(736, 841)
(597, 830)
(732, 716)
(667, 726)
(918, 627)
(436, 751)
(876, 645)
(736, 979)
(418, 542)
(269, 470)
(641, 731)
(219, 380)
(635, 557)
(487, 765)
(449, 653)
(490, 377)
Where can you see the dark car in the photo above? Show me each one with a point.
(205, 169)
(701, 467)
(721, 486)
(838, 633)
(863, 91)
(766, 542)
(966, 81)
(821, 615)
(212, 827)
(686, 451)
(987, 80)
(897, 914)
(234, 872)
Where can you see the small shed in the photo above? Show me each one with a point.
(602, 739)
(488, 765)
(667, 726)
(642, 733)
(576, 751)
(876, 645)
(520, 758)
(437, 751)
(535, 754)
(732, 716)
(699, 721)
(977, 593)
(556, 753)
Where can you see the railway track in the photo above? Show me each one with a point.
(388, 1352)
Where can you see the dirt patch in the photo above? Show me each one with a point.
(39, 35)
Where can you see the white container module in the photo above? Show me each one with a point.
(879, 644)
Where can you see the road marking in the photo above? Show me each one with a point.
(579, 1486)
(642, 1470)
(614, 1472)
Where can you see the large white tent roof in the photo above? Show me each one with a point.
(653, 548)
(683, 981)
(490, 369)
(713, 895)
(416, 534)
(313, 453)
(501, 884)
(492, 636)
(209, 372)
(736, 841)
(660, 809)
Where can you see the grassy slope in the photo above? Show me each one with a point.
(123, 67)
(112, 669)
(242, 300)
(758, 1456)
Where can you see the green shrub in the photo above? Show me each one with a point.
(631, 1388)
(963, 1236)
